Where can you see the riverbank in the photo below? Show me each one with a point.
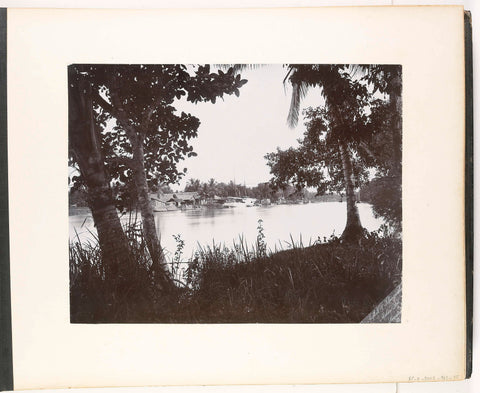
(330, 282)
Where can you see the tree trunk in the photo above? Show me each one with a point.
(137, 164)
(111, 237)
(152, 239)
(353, 229)
(85, 145)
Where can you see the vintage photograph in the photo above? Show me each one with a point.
(235, 193)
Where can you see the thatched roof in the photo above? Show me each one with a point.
(176, 197)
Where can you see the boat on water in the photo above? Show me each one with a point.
(239, 202)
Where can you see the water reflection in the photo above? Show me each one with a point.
(281, 223)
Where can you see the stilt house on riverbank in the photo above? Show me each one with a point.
(174, 201)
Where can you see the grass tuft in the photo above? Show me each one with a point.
(324, 282)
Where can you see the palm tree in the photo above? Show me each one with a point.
(193, 185)
(212, 188)
(338, 89)
(340, 93)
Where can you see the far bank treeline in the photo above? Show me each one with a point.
(78, 197)
(126, 137)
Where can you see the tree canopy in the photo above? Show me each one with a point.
(358, 127)
(143, 145)
(136, 102)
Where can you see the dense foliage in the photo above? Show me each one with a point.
(317, 161)
(355, 133)
(135, 104)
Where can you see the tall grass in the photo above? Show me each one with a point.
(132, 296)
(329, 281)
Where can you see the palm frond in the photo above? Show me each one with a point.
(299, 91)
(290, 70)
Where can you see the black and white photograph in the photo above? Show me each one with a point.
(235, 193)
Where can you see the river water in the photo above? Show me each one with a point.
(303, 223)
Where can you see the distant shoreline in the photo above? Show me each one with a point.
(85, 210)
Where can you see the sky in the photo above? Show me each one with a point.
(236, 133)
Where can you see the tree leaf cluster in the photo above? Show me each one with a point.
(362, 113)
(317, 162)
(136, 104)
